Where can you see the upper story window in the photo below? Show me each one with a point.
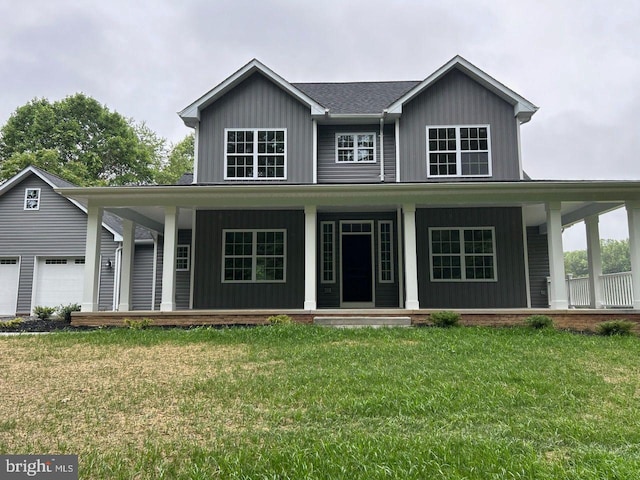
(355, 148)
(32, 199)
(463, 151)
(255, 154)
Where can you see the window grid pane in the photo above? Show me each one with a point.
(355, 147)
(255, 154)
(454, 151)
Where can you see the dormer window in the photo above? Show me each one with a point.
(32, 199)
(255, 154)
(355, 148)
(458, 151)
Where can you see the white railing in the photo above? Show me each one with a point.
(617, 291)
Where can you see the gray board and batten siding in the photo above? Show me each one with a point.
(453, 100)
(510, 289)
(57, 229)
(256, 103)
(538, 252)
(386, 295)
(209, 290)
(330, 171)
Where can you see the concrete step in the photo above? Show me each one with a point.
(357, 322)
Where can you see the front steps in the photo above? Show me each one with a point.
(359, 322)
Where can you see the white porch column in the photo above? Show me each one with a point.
(594, 259)
(633, 219)
(168, 303)
(310, 263)
(92, 260)
(558, 293)
(128, 245)
(410, 260)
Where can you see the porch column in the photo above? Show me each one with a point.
(168, 303)
(633, 219)
(594, 259)
(558, 293)
(410, 260)
(126, 264)
(92, 260)
(310, 264)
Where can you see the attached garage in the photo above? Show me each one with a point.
(58, 281)
(9, 277)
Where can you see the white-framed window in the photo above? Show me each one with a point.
(327, 252)
(355, 147)
(462, 254)
(255, 153)
(32, 199)
(182, 258)
(459, 151)
(254, 256)
(385, 251)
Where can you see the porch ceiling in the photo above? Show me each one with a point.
(145, 205)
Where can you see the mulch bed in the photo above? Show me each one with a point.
(34, 324)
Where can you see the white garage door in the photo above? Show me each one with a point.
(58, 281)
(9, 275)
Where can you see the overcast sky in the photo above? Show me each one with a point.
(578, 60)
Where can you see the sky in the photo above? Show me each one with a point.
(578, 60)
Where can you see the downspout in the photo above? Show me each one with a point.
(116, 280)
(155, 270)
(382, 148)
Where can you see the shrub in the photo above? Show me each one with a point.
(539, 321)
(11, 324)
(138, 324)
(615, 327)
(64, 311)
(445, 319)
(280, 320)
(43, 313)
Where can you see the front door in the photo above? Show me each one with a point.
(357, 265)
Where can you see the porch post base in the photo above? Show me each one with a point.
(124, 307)
(558, 305)
(309, 305)
(412, 305)
(89, 307)
(167, 307)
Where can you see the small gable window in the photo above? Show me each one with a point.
(255, 154)
(463, 151)
(32, 199)
(355, 148)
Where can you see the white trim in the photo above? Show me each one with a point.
(412, 301)
(188, 257)
(254, 255)
(400, 257)
(310, 257)
(525, 245)
(154, 272)
(333, 252)
(459, 152)
(255, 153)
(18, 264)
(26, 198)
(558, 298)
(519, 145)
(371, 223)
(196, 146)
(391, 262)
(381, 150)
(355, 148)
(397, 150)
(463, 255)
(193, 254)
(314, 153)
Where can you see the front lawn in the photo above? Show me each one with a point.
(302, 402)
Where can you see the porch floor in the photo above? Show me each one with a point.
(573, 319)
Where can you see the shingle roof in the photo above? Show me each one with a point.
(357, 97)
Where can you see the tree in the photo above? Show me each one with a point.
(179, 162)
(615, 258)
(78, 139)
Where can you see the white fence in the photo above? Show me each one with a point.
(617, 291)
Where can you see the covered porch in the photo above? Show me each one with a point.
(547, 207)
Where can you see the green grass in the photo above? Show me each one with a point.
(303, 402)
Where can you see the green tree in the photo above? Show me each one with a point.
(78, 139)
(615, 258)
(179, 161)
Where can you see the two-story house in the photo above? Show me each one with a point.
(401, 194)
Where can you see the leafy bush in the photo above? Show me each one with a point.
(43, 313)
(539, 321)
(445, 319)
(11, 324)
(615, 327)
(64, 311)
(138, 324)
(280, 320)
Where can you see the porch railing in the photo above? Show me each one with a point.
(617, 291)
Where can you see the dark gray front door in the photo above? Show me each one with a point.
(357, 268)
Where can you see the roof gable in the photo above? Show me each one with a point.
(523, 108)
(191, 114)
